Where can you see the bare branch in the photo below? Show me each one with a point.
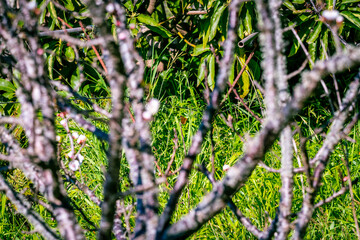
(24, 208)
(240, 172)
(322, 156)
(207, 118)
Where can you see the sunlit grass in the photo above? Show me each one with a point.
(258, 199)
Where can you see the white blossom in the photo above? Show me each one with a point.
(74, 165)
(63, 122)
(146, 116)
(339, 19)
(70, 154)
(81, 139)
(330, 15)
(153, 106)
(110, 8)
(75, 135)
(226, 167)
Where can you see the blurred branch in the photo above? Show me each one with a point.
(71, 30)
(10, 120)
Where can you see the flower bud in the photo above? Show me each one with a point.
(70, 154)
(153, 106)
(110, 8)
(62, 114)
(146, 116)
(74, 165)
(226, 168)
(63, 122)
(330, 15)
(75, 135)
(81, 139)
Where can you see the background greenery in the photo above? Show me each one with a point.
(181, 53)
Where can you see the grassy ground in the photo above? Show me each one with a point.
(181, 112)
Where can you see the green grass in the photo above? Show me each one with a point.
(181, 110)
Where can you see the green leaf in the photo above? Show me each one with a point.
(42, 16)
(138, 5)
(332, 226)
(7, 86)
(202, 70)
(241, 31)
(160, 30)
(199, 49)
(245, 84)
(349, 1)
(146, 19)
(52, 25)
(75, 78)
(9, 95)
(313, 36)
(289, 5)
(351, 18)
(134, 31)
(53, 14)
(50, 62)
(329, 4)
(300, 20)
(129, 5)
(324, 44)
(353, 9)
(255, 69)
(153, 25)
(84, 13)
(69, 5)
(298, 1)
(312, 52)
(59, 53)
(70, 54)
(214, 22)
(232, 71)
(62, 93)
(17, 76)
(248, 21)
(302, 34)
(245, 78)
(241, 25)
(211, 75)
(3, 205)
(224, 24)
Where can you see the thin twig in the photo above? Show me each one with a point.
(298, 71)
(246, 106)
(172, 158)
(239, 215)
(238, 76)
(94, 48)
(346, 163)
